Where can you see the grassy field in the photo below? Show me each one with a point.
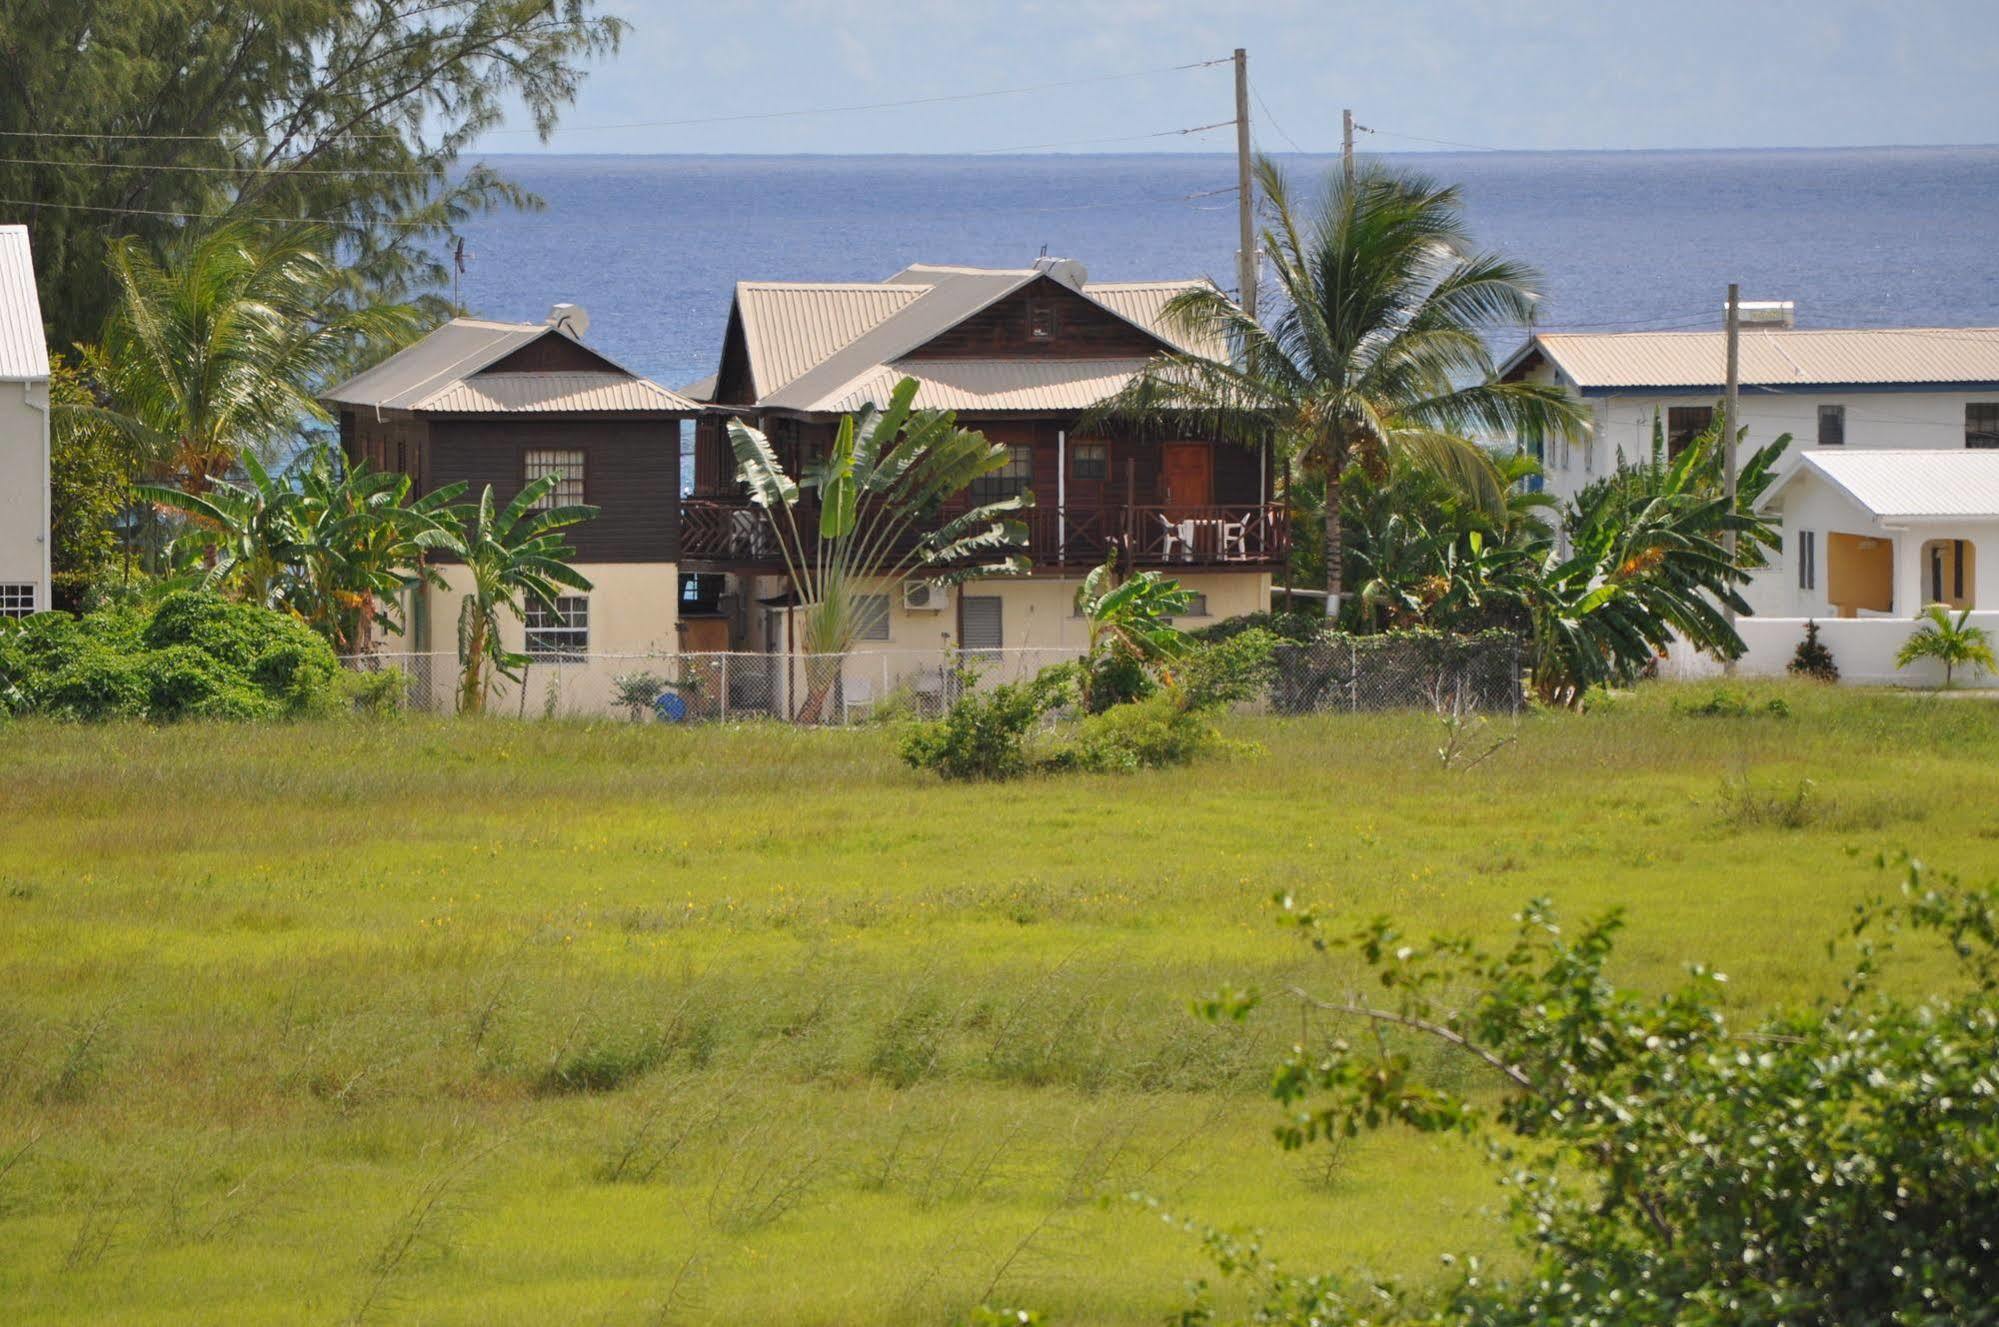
(499, 1022)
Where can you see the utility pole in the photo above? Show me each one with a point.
(1728, 416)
(1346, 145)
(1245, 200)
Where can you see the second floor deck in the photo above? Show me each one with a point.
(733, 534)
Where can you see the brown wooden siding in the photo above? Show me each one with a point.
(1081, 329)
(553, 352)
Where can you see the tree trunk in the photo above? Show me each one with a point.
(472, 682)
(1335, 545)
(822, 671)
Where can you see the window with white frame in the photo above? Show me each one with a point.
(1197, 606)
(566, 464)
(17, 600)
(1832, 426)
(871, 613)
(560, 634)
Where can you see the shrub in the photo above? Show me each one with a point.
(1732, 703)
(1160, 731)
(984, 734)
(194, 656)
(1300, 628)
(1228, 671)
(382, 691)
(1813, 659)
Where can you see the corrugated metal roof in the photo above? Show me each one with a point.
(988, 384)
(789, 327)
(442, 372)
(1906, 485)
(1775, 357)
(531, 393)
(809, 343)
(24, 351)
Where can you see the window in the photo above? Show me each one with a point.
(560, 634)
(981, 630)
(1832, 426)
(1041, 322)
(871, 611)
(1010, 480)
(1197, 606)
(1808, 560)
(1090, 460)
(1981, 424)
(1684, 423)
(566, 466)
(17, 600)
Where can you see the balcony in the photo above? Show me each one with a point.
(735, 534)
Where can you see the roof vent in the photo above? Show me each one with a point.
(1767, 312)
(1066, 270)
(569, 318)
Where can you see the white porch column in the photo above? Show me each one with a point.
(1909, 592)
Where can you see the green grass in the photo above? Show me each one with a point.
(471, 1023)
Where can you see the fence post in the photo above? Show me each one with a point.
(725, 687)
(882, 699)
(1353, 675)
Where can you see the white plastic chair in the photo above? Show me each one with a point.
(1176, 532)
(1235, 538)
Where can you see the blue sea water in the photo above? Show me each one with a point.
(652, 245)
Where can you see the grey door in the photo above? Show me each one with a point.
(981, 622)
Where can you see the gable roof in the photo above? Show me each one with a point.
(443, 373)
(24, 351)
(1771, 357)
(1897, 485)
(826, 346)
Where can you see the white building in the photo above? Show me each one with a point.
(24, 433)
(1836, 391)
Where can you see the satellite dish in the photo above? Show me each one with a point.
(569, 318)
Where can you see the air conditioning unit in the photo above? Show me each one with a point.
(923, 597)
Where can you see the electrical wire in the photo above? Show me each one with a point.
(1126, 138)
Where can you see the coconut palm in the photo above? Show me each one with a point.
(1954, 644)
(510, 553)
(218, 350)
(1375, 349)
(888, 473)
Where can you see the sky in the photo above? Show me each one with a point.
(1521, 74)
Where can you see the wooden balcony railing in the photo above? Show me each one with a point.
(733, 530)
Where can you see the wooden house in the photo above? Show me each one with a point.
(1021, 355)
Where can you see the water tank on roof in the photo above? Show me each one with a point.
(1767, 312)
(1066, 270)
(569, 318)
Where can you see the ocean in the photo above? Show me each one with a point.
(651, 246)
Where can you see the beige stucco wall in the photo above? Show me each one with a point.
(634, 609)
(1859, 573)
(24, 486)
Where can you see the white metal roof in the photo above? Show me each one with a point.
(551, 393)
(988, 384)
(24, 350)
(442, 372)
(809, 343)
(1772, 357)
(1898, 485)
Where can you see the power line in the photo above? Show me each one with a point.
(277, 168)
(219, 216)
(1126, 138)
(1265, 108)
(1441, 142)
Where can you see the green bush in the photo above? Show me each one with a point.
(1299, 628)
(383, 691)
(1228, 671)
(1733, 703)
(1160, 731)
(984, 734)
(196, 655)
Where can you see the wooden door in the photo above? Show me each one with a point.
(1186, 475)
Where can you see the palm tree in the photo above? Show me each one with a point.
(509, 552)
(247, 530)
(1130, 626)
(359, 542)
(888, 473)
(218, 350)
(1376, 349)
(1954, 644)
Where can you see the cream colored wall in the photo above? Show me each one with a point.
(634, 609)
(24, 486)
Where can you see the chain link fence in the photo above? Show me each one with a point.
(1352, 674)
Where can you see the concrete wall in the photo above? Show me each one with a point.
(24, 487)
(634, 608)
(1919, 420)
(1864, 649)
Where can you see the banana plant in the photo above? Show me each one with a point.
(510, 553)
(1129, 622)
(247, 533)
(880, 488)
